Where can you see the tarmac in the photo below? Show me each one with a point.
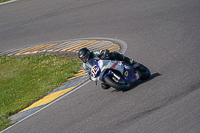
(72, 46)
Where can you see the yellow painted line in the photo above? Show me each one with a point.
(75, 45)
(111, 48)
(37, 48)
(82, 70)
(49, 98)
(79, 74)
(115, 48)
(85, 45)
(81, 45)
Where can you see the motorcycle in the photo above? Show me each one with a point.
(117, 74)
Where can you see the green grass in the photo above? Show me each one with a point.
(25, 80)
(3, 1)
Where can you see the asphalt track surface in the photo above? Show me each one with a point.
(163, 35)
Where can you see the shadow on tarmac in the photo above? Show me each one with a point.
(140, 82)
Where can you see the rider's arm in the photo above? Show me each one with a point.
(87, 70)
(102, 53)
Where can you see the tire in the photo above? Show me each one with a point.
(144, 71)
(116, 85)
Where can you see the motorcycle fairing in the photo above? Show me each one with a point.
(129, 74)
(126, 70)
(99, 67)
(107, 65)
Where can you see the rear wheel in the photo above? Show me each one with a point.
(117, 84)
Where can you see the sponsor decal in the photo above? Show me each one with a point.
(126, 73)
(114, 65)
(137, 75)
(136, 65)
(94, 70)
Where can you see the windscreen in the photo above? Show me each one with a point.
(90, 63)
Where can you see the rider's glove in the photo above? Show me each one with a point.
(104, 53)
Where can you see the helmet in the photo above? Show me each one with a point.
(84, 54)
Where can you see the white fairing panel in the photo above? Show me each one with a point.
(107, 64)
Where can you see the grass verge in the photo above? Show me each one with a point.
(24, 80)
(1, 1)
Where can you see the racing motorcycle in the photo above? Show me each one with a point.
(117, 74)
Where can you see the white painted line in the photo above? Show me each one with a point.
(7, 2)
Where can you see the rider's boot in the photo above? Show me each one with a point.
(105, 86)
(129, 61)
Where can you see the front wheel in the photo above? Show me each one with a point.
(144, 71)
(123, 85)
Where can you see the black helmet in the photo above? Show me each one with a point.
(84, 54)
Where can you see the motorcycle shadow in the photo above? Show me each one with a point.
(141, 82)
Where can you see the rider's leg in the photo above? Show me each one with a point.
(118, 56)
(128, 60)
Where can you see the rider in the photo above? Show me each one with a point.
(84, 54)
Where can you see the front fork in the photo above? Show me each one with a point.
(116, 78)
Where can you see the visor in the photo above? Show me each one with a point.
(85, 58)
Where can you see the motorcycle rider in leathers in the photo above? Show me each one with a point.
(84, 54)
